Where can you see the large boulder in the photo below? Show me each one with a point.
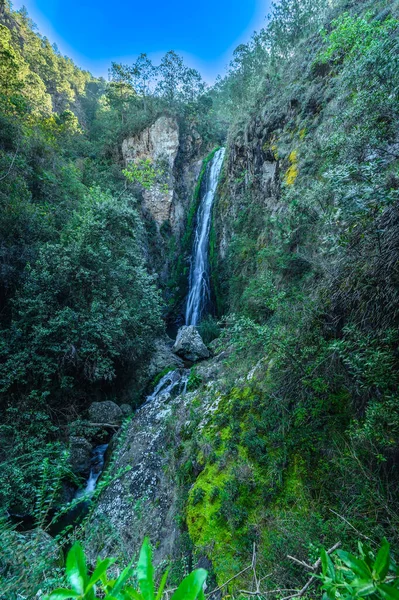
(163, 358)
(105, 413)
(80, 455)
(189, 344)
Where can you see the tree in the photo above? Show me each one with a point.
(143, 72)
(176, 81)
(120, 92)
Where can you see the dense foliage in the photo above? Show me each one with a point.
(302, 448)
(79, 309)
(100, 585)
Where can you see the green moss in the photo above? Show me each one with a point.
(244, 486)
(158, 377)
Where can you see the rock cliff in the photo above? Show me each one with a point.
(178, 154)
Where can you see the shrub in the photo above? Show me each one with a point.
(99, 585)
(370, 575)
(209, 329)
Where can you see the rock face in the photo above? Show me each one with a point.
(80, 455)
(105, 412)
(160, 143)
(252, 153)
(143, 500)
(163, 357)
(189, 344)
(180, 157)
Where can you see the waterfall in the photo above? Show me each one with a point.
(199, 288)
(97, 465)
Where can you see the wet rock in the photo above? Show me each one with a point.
(80, 455)
(189, 344)
(144, 499)
(106, 412)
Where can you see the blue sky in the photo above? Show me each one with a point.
(95, 32)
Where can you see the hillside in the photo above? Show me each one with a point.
(281, 437)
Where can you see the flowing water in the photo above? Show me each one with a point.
(174, 381)
(97, 466)
(199, 288)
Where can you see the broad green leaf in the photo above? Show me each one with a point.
(76, 568)
(366, 553)
(162, 585)
(126, 595)
(363, 588)
(201, 595)
(145, 571)
(123, 577)
(63, 594)
(388, 592)
(359, 567)
(99, 571)
(381, 565)
(327, 565)
(191, 586)
(132, 593)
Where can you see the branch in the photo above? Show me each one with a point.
(231, 579)
(11, 165)
(110, 425)
(315, 568)
(352, 526)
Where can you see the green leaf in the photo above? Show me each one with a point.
(145, 571)
(123, 577)
(191, 587)
(359, 567)
(363, 588)
(132, 593)
(388, 592)
(62, 594)
(366, 553)
(162, 585)
(76, 568)
(381, 565)
(201, 595)
(327, 565)
(99, 571)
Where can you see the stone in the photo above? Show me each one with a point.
(126, 410)
(160, 144)
(143, 499)
(106, 412)
(80, 455)
(189, 344)
(163, 357)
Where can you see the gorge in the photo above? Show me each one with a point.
(199, 295)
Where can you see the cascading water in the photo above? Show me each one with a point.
(199, 288)
(172, 381)
(97, 465)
